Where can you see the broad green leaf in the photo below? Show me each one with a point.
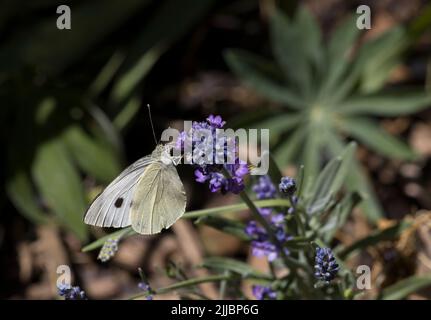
(93, 156)
(21, 193)
(229, 226)
(403, 288)
(60, 185)
(279, 123)
(256, 72)
(387, 104)
(371, 135)
(235, 266)
(374, 238)
(288, 47)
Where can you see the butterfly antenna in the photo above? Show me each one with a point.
(152, 125)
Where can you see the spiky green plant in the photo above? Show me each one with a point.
(327, 91)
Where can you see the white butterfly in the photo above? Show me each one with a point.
(148, 195)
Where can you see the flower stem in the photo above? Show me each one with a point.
(188, 283)
(194, 214)
(301, 228)
(289, 262)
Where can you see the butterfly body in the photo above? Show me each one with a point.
(148, 195)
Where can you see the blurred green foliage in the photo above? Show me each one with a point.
(328, 91)
(57, 138)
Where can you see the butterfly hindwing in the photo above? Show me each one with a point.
(111, 208)
(159, 199)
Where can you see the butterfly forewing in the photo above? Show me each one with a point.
(112, 207)
(159, 199)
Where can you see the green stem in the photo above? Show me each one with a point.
(237, 207)
(187, 283)
(194, 214)
(223, 287)
(301, 228)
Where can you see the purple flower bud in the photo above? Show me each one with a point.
(287, 186)
(326, 267)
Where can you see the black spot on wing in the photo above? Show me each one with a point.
(118, 202)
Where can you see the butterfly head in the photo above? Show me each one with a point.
(163, 152)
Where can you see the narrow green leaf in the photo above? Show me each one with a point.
(312, 43)
(128, 81)
(288, 46)
(346, 156)
(403, 288)
(374, 238)
(371, 135)
(373, 58)
(235, 266)
(106, 74)
(420, 24)
(357, 180)
(228, 226)
(279, 123)
(300, 180)
(125, 232)
(339, 215)
(342, 40)
(256, 72)
(311, 157)
(332, 176)
(387, 104)
(286, 152)
(127, 113)
(320, 193)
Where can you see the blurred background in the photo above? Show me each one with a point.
(73, 115)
